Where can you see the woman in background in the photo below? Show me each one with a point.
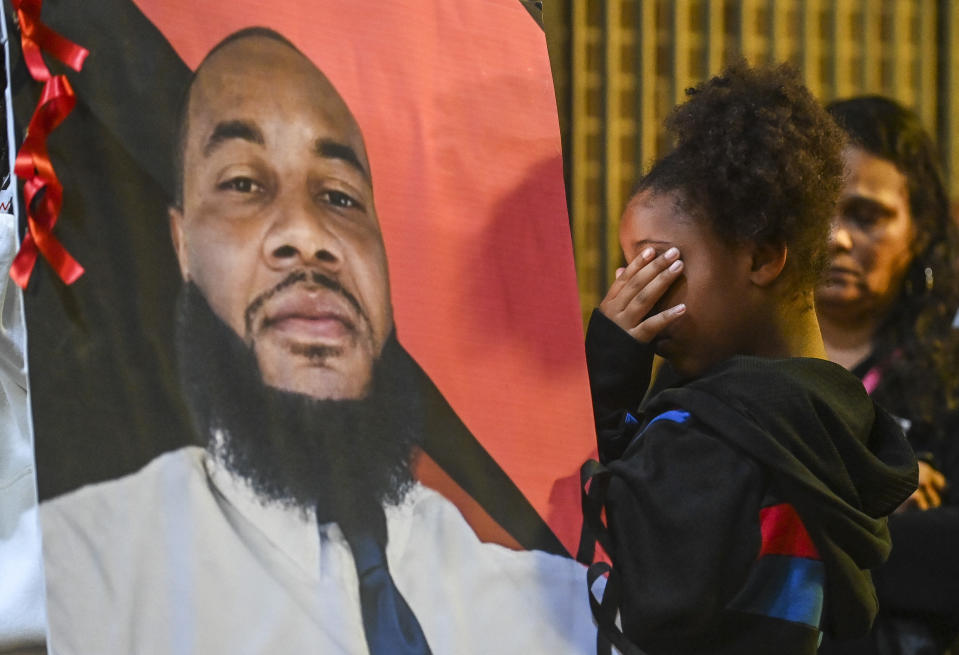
(887, 308)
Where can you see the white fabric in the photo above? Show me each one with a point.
(182, 558)
(21, 574)
(22, 620)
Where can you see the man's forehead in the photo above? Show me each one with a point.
(256, 51)
(251, 67)
(258, 72)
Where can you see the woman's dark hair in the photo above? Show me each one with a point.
(758, 158)
(918, 328)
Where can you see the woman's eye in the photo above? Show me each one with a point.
(342, 200)
(241, 185)
(861, 214)
(867, 212)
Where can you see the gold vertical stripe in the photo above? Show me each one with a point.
(812, 46)
(927, 63)
(781, 41)
(647, 119)
(615, 170)
(579, 202)
(842, 49)
(681, 46)
(749, 41)
(871, 46)
(595, 166)
(901, 52)
(715, 36)
(950, 139)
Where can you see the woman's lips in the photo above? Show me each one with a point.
(841, 272)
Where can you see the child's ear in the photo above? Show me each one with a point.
(769, 259)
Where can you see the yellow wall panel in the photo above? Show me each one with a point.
(630, 62)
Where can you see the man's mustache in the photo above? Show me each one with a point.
(298, 277)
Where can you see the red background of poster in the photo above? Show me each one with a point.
(459, 116)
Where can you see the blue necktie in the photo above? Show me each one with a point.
(391, 627)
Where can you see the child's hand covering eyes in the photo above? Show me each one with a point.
(636, 290)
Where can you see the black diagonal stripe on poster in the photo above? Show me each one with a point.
(105, 393)
(104, 390)
(535, 9)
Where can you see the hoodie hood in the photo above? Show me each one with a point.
(838, 458)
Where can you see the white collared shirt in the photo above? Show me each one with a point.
(21, 575)
(182, 557)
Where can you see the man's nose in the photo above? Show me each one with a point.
(300, 235)
(839, 236)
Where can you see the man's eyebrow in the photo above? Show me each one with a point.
(226, 130)
(337, 150)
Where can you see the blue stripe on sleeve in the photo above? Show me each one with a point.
(674, 415)
(784, 587)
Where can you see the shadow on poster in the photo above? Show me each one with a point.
(321, 386)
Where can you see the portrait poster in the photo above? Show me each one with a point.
(328, 306)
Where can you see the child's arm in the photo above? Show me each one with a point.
(618, 355)
(619, 369)
(681, 508)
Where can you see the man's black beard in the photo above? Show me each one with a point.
(343, 458)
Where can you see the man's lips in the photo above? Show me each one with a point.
(309, 315)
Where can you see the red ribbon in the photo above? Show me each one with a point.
(42, 191)
(35, 36)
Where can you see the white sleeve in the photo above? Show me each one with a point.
(22, 616)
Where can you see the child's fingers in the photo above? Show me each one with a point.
(646, 298)
(652, 326)
(628, 292)
(614, 299)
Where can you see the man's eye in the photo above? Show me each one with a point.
(342, 200)
(241, 185)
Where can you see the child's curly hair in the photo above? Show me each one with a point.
(760, 159)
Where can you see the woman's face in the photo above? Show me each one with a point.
(871, 243)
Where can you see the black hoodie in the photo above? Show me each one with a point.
(745, 507)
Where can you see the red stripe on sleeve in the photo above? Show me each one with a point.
(783, 533)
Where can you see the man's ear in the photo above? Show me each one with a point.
(769, 260)
(179, 240)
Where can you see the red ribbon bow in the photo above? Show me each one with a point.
(35, 36)
(42, 191)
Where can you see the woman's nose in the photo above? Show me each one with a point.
(840, 237)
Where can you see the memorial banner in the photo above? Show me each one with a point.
(316, 380)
